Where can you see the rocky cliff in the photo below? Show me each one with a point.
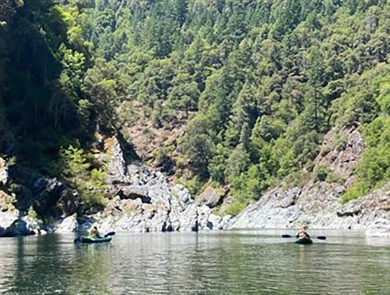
(141, 199)
(317, 202)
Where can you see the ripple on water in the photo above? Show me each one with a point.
(189, 263)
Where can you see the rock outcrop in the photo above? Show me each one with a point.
(139, 199)
(211, 197)
(149, 204)
(318, 202)
(13, 224)
(144, 201)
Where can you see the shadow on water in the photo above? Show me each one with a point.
(235, 262)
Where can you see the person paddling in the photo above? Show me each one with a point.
(302, 233)
(94, 233)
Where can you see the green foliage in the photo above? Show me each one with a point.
(10, 200)
(373, 170)
(195, 185)
(258, 82)
(357, 191)
(235, 208)
(75, 161)
(32, 214)
(89, 182)
(375, 164)
(321, 172)
(198, 144)
(324, 173)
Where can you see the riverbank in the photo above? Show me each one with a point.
(141, 199)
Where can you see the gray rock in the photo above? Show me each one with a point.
(379, 228)
(290, 198)
(214, 222)
(117, 172)
(7, 219)
(318, 203)
(12, 225)
(182, 194)
(3, 171)
(136, 191)
(52, 196)
(211, 197)
(189, 219)
(67, 225)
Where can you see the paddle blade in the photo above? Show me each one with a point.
(77, 240)
(286, 236)
(321, 237)
(111, 233)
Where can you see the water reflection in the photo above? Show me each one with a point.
(236, 262)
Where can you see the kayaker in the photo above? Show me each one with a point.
(302, 233)
(94, 233)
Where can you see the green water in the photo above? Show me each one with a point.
(236, 262)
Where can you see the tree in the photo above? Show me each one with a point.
(198, 145)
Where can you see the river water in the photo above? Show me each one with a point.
(228, 262)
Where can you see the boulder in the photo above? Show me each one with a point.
(12, 225)
(211, 197)
(67, 225)
(53, 197)
(136, 191)
(203, 221)
(189, 219)
(7, 220)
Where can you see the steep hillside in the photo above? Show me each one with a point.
(230, 98)
(257, 84)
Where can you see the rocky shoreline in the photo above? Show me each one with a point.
(142, 200)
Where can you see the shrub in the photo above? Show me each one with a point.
(88, 182)
(32, 214)
(10, 200)
(235, 208)
(357, 191)
(99, 176)
(340, 142)
(75, 161)
(92, 197)
(321, 172)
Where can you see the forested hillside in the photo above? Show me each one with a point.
(255, 84)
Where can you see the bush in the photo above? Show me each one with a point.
(235, 208)
(32, 214)
(324, 173)
(321, 172)
(75, 161)
(92, 197)
(357, 191)
(88, 182)
(340, 142)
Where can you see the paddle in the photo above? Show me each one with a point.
(111, 233)
(319, 237)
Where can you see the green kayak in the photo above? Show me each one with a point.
(304, 241)
(95, 240)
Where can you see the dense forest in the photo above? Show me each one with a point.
(256, 84)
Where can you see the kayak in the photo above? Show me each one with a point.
(304, 241)
(95, 240)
